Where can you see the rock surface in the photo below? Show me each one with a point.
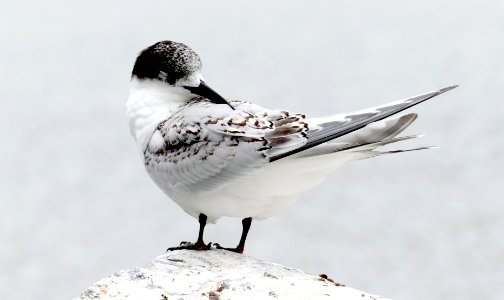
(217, 275)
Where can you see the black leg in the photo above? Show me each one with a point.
(246, 227)
(202, 223)
(199, 245)
(241, 246)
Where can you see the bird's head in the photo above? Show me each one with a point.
(177, 66)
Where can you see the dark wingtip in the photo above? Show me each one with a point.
(448, 88)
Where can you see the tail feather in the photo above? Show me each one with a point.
(374, 153)
(378, 131)
(341, 125)
(333, 147)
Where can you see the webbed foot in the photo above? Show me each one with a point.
(199, 246)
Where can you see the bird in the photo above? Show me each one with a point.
(217, 157)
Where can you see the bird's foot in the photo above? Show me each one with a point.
(236, 250)
(200, 246)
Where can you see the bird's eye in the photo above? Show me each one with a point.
(163, 76)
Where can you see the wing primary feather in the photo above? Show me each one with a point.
(360, 120)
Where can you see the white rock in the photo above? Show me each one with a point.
(217, 275)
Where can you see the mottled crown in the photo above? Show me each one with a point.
(166, 60)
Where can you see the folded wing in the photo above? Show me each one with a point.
(323, 130)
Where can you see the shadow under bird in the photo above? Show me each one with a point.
(216, 157)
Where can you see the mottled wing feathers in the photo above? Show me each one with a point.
(205, 144)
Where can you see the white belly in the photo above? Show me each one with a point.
(266, 192)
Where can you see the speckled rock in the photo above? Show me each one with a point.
(217, 275)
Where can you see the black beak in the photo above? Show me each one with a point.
(204, 90)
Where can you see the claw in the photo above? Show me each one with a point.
(236, 250)
(191, 246)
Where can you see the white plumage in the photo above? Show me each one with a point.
(213, 160)
(216, 157)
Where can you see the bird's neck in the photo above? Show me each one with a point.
(149, 103)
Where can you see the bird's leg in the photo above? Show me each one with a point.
(199, 245)
(241, 246)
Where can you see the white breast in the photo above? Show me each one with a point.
(149, 103)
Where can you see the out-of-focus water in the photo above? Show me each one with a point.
(76, 204)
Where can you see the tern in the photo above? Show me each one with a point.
(217, 157)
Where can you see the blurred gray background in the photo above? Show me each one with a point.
(76, 204)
